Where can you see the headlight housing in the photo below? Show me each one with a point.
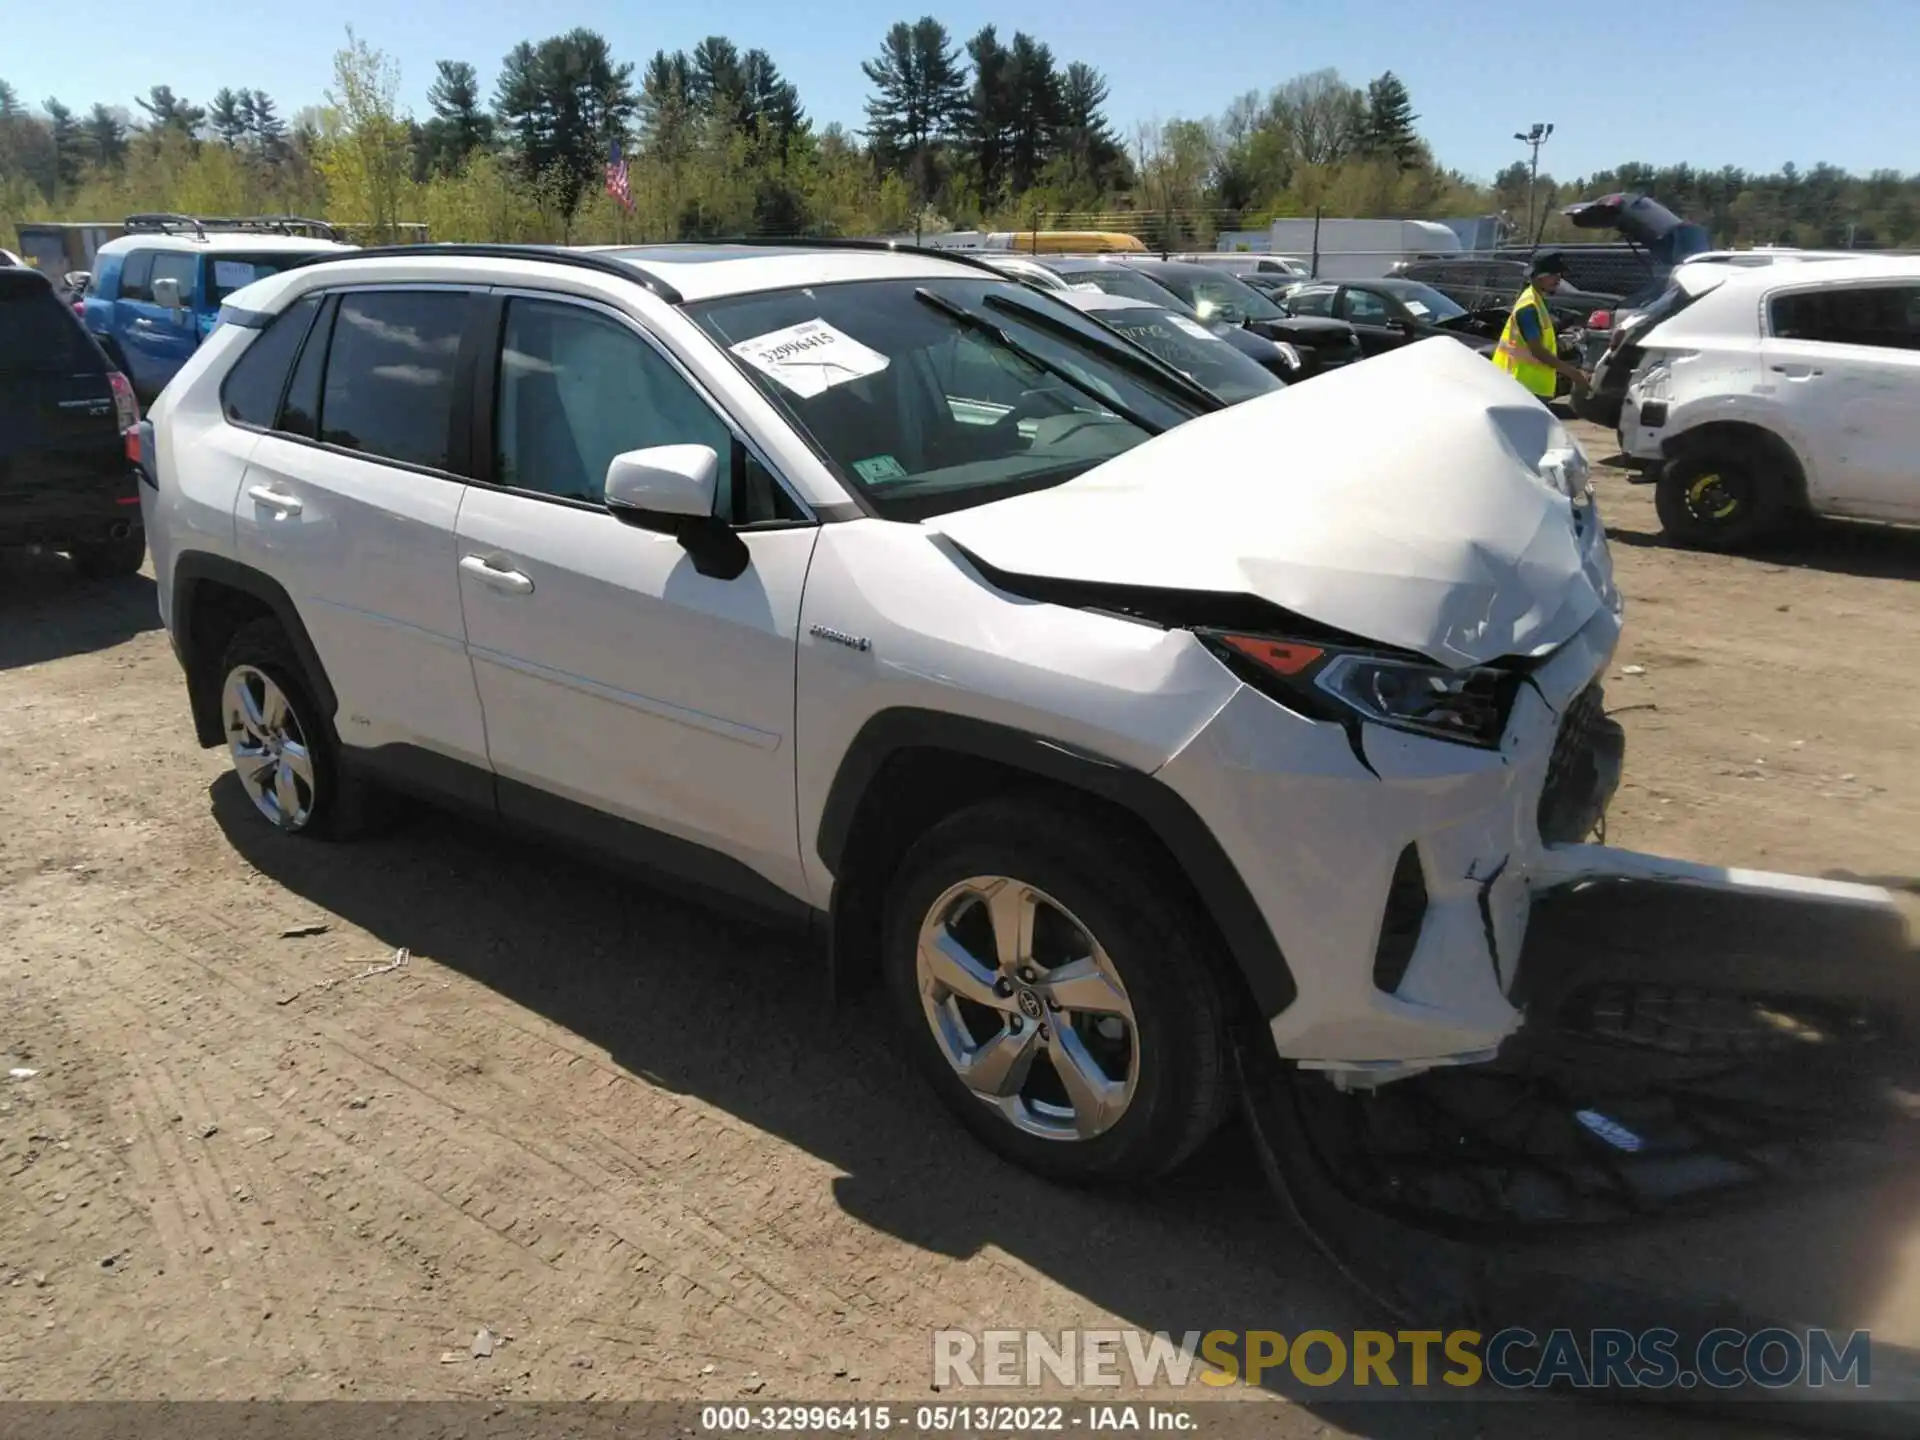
(1346, 685)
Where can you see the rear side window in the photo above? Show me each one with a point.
(251, 394)
(136, 275)
(1885, 317)
(389, 384)
(38, 334)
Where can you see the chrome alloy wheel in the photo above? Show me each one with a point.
(269, 749)
(1027, 1008)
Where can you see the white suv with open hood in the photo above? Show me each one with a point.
(901, 599)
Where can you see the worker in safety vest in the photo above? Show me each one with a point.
(1527, 346)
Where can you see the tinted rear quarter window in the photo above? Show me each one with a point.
(38, 334)
(1884, 317)
(251, 394)
(389, 382)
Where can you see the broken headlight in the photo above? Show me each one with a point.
(1467, 706)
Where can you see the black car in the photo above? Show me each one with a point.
(1387, 314)
(1218, 298)
(67, 481)
(1090, 273)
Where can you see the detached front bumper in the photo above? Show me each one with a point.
(1399, 895)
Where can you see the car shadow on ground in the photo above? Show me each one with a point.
(700, 1004)
(1842, 547)
(47, 609)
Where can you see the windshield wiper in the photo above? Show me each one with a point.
(1144, 364)
(981, 325)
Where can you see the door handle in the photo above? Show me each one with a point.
(267, 495)
(1798, 372)
(498, 577)
(141, 322)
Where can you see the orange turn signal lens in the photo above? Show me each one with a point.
(1280, 656)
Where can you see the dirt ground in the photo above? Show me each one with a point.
(628, 1139)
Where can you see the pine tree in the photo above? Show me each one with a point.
(563, 103)
(265, 127)
(1034, 88)
(666, 105)
(1388, 129)
(225, 119)
(1085, 137)
(921, 94)
(988, 116)
(106, 137)
(459, 126)
(172, 112)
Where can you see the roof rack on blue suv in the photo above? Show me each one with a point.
(167, 223)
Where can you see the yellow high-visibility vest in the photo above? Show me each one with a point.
(1515, 358)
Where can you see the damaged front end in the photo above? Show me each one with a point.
(1420, 611)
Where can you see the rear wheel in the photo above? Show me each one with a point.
(1723, 498)
(281, 742)
(1049, 987)
(108, 559)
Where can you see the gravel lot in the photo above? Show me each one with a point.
(630, 1140)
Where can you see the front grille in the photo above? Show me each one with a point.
(1582, 770)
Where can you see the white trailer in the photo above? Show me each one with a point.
(1361, 249)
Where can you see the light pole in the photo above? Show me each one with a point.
(1536, 137)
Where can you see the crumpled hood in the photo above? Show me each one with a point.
(1400, 500)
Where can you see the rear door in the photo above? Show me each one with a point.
(157, 341)
(1844, 363)
(350, 502)
(61, 453)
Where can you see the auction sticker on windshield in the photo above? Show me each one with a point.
(811, 357)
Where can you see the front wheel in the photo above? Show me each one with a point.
(1050, 988)
(280, 741)
(1719, 499)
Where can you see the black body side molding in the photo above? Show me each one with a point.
(1165, 814)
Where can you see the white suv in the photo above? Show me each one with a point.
(1785, 390)
(897, 597)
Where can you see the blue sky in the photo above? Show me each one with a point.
(1753, 83)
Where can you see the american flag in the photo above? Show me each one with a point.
(618, 185)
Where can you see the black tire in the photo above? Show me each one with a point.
(1723, 498)
(341, 803)
(110, 559)
(1181, 1056)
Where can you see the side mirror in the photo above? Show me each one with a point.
(166, 294)
(671, 489)
(76, 279)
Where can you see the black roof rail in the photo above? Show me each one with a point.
(163, 221)
(167, 223)
(554, 254)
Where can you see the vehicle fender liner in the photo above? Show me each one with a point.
(1164, 813)
(195, 575)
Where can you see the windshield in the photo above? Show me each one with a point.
(233, 272)
(926, 396)
(1220, 297)
(1427, 303)
(1194, 350)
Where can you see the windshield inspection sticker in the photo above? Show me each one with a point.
(1418, 307)
(1192, 327)
(1611, 1131)
(811, 357)
(878, 468)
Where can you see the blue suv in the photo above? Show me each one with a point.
(156, 292)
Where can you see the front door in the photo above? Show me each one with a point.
(1368, 312)
(158, 340)
(1844, 364)
(618, 682)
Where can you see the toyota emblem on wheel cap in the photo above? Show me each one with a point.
(1030, 1004)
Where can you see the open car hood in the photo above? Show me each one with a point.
(1406, 501)
(1644, 221)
